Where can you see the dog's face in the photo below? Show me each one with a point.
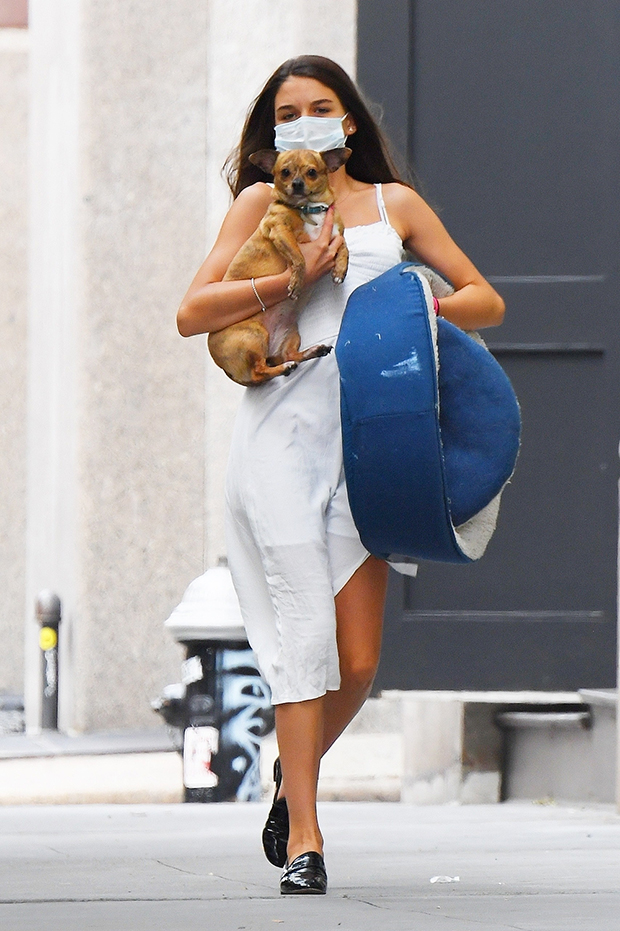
(300, 175)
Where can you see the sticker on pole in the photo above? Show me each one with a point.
(199, 745)
(48, 638)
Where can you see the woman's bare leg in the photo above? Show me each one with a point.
(305, 730)
(359, 613)
(299, 728)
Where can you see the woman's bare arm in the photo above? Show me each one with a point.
(212, 304)
(475, 303)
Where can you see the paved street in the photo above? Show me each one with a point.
(200, 868)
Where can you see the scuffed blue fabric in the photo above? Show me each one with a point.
(423, 451)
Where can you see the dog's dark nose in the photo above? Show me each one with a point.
(298, 185)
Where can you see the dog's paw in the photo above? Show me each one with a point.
(290, 367)
(323, 351)
(339, 272)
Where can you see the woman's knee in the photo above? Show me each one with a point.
(358, 673)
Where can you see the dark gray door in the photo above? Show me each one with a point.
(508, 112)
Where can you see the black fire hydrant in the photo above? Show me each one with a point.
(222, 706)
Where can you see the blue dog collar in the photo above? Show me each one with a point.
(313, 208)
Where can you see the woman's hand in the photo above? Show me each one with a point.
(320, 254)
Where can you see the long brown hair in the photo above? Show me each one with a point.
(370, 160)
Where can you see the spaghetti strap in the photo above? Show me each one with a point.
(381, 204)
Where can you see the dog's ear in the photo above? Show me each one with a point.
(334, 158)
(265, 159)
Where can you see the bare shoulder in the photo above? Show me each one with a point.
(256, 197)
(401, 197)
(408, 212)
(240, 222)
(245, 214)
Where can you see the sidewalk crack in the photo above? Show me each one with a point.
(227, 879)
(177, 868)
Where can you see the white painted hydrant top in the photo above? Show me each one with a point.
(209, 609)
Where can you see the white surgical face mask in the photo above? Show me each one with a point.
(320, 133)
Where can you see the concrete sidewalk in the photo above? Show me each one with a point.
(200, 868)
(140, 767)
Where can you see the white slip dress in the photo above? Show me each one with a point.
(291, 541)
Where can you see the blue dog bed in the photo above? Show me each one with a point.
(430, 424)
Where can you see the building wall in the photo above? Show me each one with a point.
(13, 312)
(141, 464)
(116, 417)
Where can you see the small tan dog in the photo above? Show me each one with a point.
(267, 344)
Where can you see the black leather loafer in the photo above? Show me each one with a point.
(275, 832)
(306, 875)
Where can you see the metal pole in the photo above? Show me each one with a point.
(48, 614)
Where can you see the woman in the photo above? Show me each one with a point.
(311, 596)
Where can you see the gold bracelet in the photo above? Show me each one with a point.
(258, 297)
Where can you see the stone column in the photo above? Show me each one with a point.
(116, 398)
(247, 42)
(14, 45)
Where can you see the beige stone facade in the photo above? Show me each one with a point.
(13, 329)
(116, 461)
